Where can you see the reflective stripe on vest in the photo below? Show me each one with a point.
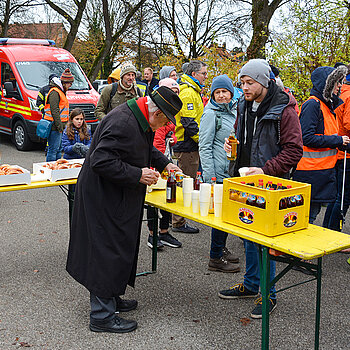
(321, 158)
(142, 89)
(63, 106)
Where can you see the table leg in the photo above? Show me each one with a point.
(70, 197)
(155, 240)
(265, 291)
(318, 303)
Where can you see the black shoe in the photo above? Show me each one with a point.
(257, 312)
(125, 305)
(167, 239)
(186, 228)
(150, 242)
(236, 292)
(116, 325)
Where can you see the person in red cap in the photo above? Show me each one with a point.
(57, 110)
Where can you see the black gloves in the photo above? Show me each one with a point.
(80, 149)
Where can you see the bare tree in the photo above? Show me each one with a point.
(261, 14)
(74, 22)
(195, 24)
(116, 19)
(10, 9)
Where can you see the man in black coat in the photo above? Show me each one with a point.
(109, 199)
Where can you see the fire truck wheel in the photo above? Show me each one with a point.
(20, 137)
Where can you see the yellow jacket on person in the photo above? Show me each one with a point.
(188, 119)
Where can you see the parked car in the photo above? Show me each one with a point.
(99, 84)
(25, 68)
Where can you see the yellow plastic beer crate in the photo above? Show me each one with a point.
(277, 211)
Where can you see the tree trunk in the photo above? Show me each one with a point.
(262, 13)
(5, 23)
(107, 46)
(75, 25)
(73, 22)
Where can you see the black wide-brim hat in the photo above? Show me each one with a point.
(167, 101)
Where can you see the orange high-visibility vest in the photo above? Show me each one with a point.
(321, 158)
(343, 116)
(63, 106)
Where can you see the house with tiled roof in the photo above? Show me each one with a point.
(53, 31)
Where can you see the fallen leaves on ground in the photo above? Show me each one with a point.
(245, 321)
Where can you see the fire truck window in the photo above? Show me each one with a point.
(8, 76)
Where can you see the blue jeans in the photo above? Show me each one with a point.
(252, 269)
(54, 151)
(333, 215)
(315, 209)
(218, 241)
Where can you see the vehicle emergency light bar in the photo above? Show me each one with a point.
(20, 41)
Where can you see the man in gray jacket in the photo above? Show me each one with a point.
(117, 93)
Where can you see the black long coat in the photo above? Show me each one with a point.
(106, 223)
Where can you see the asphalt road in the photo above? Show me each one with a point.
(42, 307)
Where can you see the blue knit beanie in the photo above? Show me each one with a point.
(222, 82)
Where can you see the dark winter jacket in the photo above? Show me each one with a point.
(67, 144)
(153, 83)
(277, 142)
(108, 206)
(323, 182)
(40, 101)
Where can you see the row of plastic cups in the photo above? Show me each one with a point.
(200, 200)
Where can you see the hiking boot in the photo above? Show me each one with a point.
(186, 228)
(150, 242)
(227, 255)
(167, 239)
(257, 312)
(222, 265)
(237, 291)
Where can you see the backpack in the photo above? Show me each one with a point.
(114, 90)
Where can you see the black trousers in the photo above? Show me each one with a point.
(163, 222)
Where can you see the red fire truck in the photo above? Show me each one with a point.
(26, 65)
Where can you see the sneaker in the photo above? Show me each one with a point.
(186, 228)
(150, 242)
(257, 312)
(227, 255)
(237, 291)
(222, 265)
(169, 240)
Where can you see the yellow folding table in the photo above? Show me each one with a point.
(69, 192)
(311, 243)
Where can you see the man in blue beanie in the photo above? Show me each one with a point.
(270, 142)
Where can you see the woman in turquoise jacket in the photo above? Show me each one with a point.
(216, 124)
